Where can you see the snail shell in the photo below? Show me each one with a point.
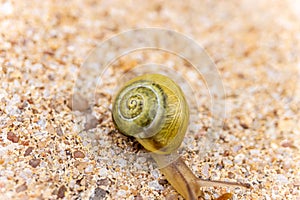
(153, 109)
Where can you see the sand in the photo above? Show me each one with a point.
(48, 151)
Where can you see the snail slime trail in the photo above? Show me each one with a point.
(153, 109)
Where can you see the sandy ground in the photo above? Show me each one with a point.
(49, 152)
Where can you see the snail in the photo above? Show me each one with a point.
(152, 108)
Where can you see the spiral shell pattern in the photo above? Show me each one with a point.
(153, 109)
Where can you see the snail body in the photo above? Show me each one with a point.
(153, 109)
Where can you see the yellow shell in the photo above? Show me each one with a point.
(153, 109)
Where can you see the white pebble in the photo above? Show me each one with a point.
(141, 160)
(155, 173)
(238, 159)
(205, 170)
(121, 193)
(6, 8)
(103, 172)
(36, 67)
(254, 152)
(89, 168)
(282, 179)
(155, 185)
(137, 166)
(227, 162)
(122, 162)
(42, 123)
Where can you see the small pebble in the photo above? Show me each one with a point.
(138, 197)
(61, 192)
(282, 179)
(227, 162)
(34, 162)
(287, 143)
(121, 193)
(244, 125)
(21, 188)
(231, 175)
(78, 154)
(89, 169)
(103, 172)
(238, 159)
(162, 181)
(155, 173)
(122, 162)
(104, 182)
(12, 137)
(99, 194)
(155, 185)
(205, 170)
(59, 131)
(28, 151)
